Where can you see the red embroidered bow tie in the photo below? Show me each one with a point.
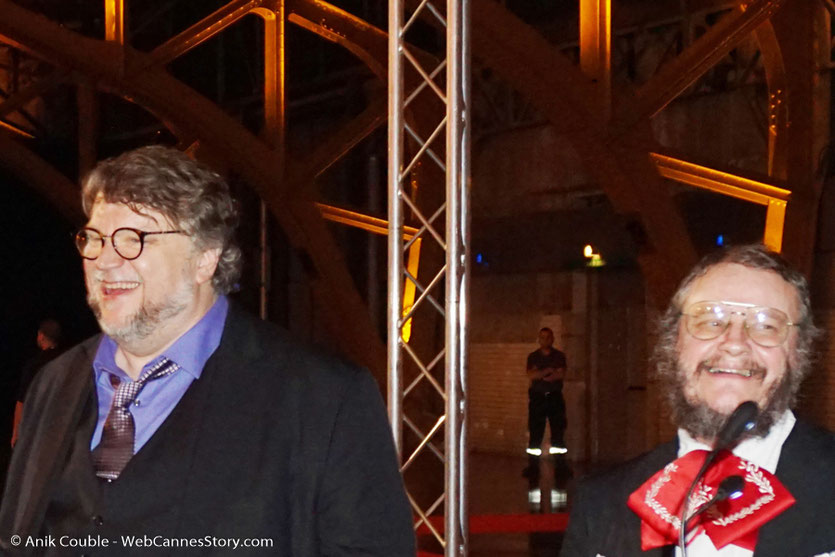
(659, 500)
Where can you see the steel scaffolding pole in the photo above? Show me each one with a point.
(457, 264)
(454, 162)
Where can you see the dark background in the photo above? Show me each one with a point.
(41, 277)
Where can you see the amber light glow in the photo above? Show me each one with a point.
(16, 130)
(380, 226)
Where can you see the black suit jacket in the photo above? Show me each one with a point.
(602, 524)
(276, 441)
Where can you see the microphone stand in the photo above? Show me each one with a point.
(741, 420)
(729, 488)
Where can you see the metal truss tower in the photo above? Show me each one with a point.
(447, 288)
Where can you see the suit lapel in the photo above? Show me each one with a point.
(620, 532)
(57, 428)
(797, 469)
(665, 454)
(217, 404)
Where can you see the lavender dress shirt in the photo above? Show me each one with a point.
(159, 397)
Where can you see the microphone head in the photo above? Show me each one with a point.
(730, 488)
(741, 420)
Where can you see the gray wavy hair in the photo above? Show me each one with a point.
(188, 193)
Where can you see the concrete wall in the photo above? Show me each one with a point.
(585, 309)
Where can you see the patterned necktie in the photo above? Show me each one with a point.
(116, 446)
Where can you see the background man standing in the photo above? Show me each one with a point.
(188, 420)
(546, 370)
(738, 329)
(48, 340)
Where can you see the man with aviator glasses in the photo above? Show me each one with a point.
(738, 329)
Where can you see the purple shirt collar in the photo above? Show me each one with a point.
(191, 351)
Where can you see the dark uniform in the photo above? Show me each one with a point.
(545, 401)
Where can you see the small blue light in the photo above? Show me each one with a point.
(479, 258)
(720, 240)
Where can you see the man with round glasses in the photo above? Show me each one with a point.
(189, 425)
(738, 329)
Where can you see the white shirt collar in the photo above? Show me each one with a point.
(762, 451)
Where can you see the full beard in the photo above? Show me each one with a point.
(148, 318)
(703, 422)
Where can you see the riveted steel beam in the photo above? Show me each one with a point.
(673, 78)
(302, 171)
(802, 30)
(203, 30)
(362, 39)
(362, 221)
(772, 197)
(778, 105)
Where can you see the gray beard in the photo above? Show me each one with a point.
(703, 422)
(144, 322)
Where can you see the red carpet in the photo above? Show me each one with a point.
(506, 523)
(502, 524)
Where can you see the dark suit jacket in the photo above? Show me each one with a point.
(602, 524)
(277, 441)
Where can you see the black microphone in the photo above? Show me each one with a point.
(741, 420)
(729, 488)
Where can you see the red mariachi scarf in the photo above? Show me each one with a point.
(659, 500)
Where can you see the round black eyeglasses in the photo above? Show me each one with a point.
(128, 242)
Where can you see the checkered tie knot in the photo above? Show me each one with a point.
(116, 446)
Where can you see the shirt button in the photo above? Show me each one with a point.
(98, 520)
(137, 402)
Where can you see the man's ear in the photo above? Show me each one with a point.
(206, 265)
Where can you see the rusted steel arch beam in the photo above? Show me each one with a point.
(551, 78)
(301, 172)
(36, 173)
(673, 78)
(363, 40)
(35, 90)
(203, 30)
(196, 116)
(370, 45)
(622, 166)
